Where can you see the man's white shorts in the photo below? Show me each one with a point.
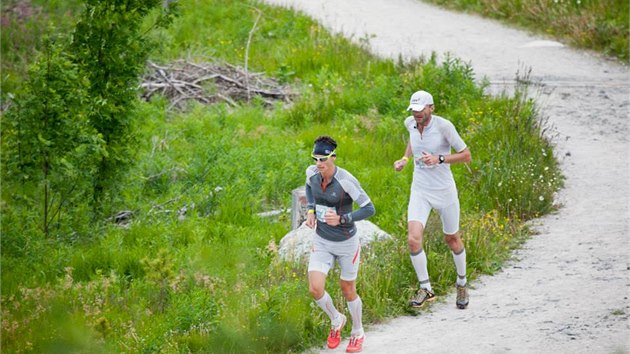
(347, 253)
(444, 201)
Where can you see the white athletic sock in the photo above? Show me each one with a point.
(326, 304)
(419, 261)
(460, 265)
(356, 312)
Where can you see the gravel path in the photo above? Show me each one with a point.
(567, 290)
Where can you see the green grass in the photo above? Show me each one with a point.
(213, 281)
(602, 26)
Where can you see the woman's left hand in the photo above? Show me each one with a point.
(332, 218)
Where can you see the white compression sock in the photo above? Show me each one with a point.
(419, 261)
(460, 265)
(326, 304)
(356, 311)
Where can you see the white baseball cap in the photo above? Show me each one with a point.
(419, 100)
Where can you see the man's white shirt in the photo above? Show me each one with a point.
(437, 139)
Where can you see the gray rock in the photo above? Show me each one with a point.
(296, 245)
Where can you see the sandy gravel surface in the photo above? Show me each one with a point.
(568, 289)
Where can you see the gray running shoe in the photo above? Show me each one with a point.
(422, 296)
(462, 297)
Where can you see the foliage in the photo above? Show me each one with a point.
(111, 51)
(71, 124)
(50, 150)
(599, 25)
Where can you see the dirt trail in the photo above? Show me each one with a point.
(568, 289)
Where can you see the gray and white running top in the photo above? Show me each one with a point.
(339, 194)
(437, 139)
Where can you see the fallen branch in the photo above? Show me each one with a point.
(182, 81)
(249, 40)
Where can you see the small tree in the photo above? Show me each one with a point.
(69, 133)
(111, 51)
(49, 148)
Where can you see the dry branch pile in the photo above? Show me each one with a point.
(209, 83)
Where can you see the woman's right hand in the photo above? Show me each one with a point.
(400, 164)
(310, 220)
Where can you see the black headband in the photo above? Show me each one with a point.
(323, 148)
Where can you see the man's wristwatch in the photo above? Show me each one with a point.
(342, 219)
(441, 158)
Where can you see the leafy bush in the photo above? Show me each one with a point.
(49, 149)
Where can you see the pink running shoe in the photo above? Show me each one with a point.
(355, 345)
(334, 337)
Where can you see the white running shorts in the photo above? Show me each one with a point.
(325, 252)
(445, 202)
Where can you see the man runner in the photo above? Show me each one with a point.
(431, 139)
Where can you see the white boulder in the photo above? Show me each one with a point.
(296, 245)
